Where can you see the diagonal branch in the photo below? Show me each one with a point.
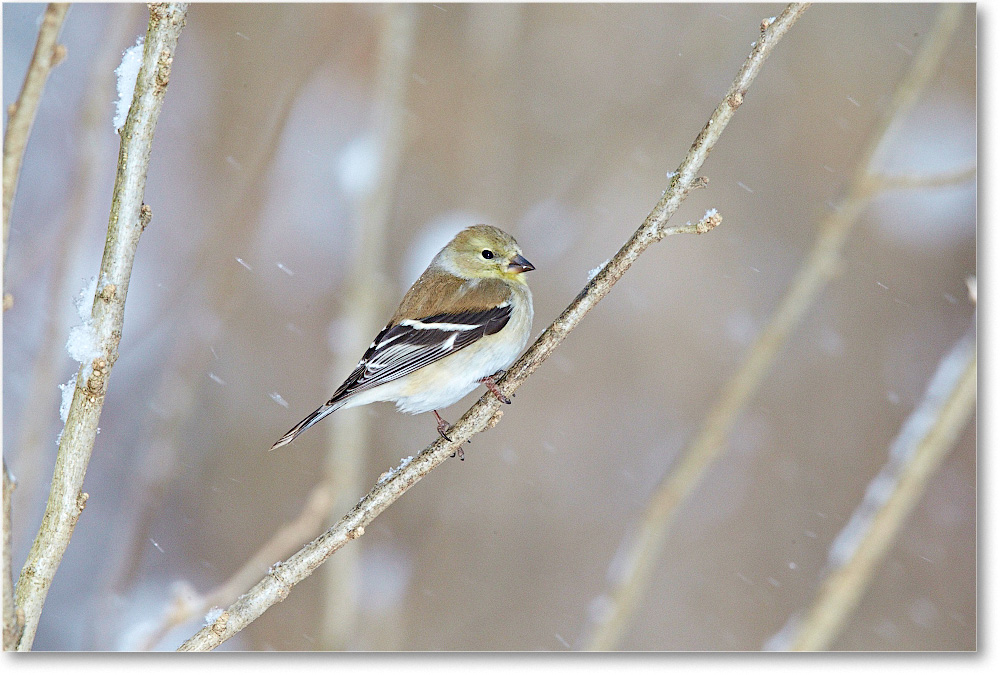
(129, 217)
(47, 55)
(817, 270)
(923, 442)
(278, 583)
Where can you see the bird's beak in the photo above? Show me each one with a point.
(519, 264)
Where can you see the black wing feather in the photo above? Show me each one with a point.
(401, 349)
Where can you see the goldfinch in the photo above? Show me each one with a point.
(465, 319)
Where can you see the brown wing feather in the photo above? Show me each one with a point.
(435, 293)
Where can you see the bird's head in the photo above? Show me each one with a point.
(485, 252)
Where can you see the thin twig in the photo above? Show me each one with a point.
(13, 616)
(922, 444)
(129, 217)
(28, 457)
(907, 182)
(486, 412)
(817, 270)
(47, 55)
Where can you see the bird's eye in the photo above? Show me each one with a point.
(488, 254)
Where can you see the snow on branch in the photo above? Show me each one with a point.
(126, 73)
(923, 442)
(128, 218)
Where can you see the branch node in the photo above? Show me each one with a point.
(8, 301)
(708, 223)
(108, 292)
(735, 100)
(699, 182)
(97, 382)
(58, 55)
(145, 215)
(284, 588)
(494, 419)
(219, 627)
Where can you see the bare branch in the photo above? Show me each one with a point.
(486, 412)
(817, 270)
(185, 363)
(22, 113)
(129, 217)
(13, 616)
(884, 182)
(27, 456)
(348, 435)
(317, 510)
(923, 442)
(709, 222)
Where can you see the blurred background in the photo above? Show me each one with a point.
(311, 159)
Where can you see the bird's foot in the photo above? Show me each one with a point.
(491, 384)
(442, 426)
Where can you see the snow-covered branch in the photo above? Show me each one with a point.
(362, 306)
(97, 341)
(486, 413)
(924, 440)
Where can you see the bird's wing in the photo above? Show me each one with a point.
(403, 347)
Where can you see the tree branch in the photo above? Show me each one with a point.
(485, 413)
(13, 616)
(47, 370)
(817, 270)
(922, 444)
(883, 182)
(47, 55)
(128, 218)
(316, 511)
(348, 435)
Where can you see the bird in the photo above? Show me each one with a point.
(464, 320)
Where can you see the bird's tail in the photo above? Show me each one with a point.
(312, 419)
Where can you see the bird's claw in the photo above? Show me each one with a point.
(491, 384)
(442, 426)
